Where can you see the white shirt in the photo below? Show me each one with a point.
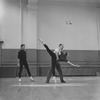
(57, 51)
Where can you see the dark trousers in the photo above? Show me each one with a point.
(54, 64)
(24, 63)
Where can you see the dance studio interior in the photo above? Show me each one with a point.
(73, 23)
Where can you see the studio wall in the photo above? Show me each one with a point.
(76, 25)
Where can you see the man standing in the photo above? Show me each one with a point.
(22, 61)
(54, 64)
(62, 57)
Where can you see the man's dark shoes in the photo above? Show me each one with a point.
(63, 81)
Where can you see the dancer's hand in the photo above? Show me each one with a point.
(18, 64)
(40, 41)
(77, 65)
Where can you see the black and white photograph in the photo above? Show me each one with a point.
(49, 49)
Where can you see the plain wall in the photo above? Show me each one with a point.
(81, 35)
(23, 24)
(18, 24)
(10, 23)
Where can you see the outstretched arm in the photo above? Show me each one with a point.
(73, 64)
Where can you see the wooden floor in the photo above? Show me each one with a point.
(76, 88)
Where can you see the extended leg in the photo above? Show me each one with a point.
(47, 48)
(27, 69)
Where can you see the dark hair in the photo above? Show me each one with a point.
(22, 45)
(60, 45)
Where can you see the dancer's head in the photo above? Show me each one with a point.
(61, 46)
(22, 46)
